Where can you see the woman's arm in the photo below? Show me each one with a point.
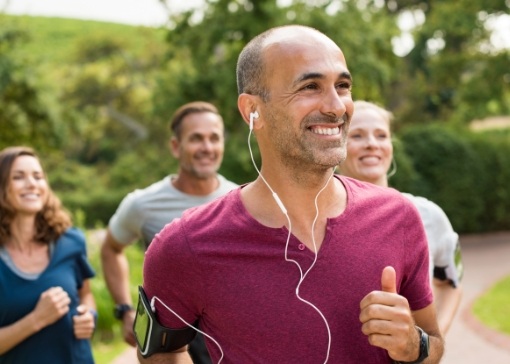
(446, 299)
(52, 305)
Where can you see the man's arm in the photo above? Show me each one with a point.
(180, 356)
(116, 273)
(427, 320)
(389, 323)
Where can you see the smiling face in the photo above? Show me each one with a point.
(309, 102)
(200, 145)
(369, 147)
(27, 188)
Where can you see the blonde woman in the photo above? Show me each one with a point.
(369, 159)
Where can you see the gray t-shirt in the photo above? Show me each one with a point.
(444, 248)
(144, 212)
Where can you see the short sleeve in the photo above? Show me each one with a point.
(417, 287)
(447, 257)
(84, 269)
(126, 222)
(170, 273)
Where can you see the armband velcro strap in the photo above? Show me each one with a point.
(151, 336)
(173, 339)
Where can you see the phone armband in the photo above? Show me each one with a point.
(152, 337)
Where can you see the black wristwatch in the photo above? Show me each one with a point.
(121, 309)
(424, 348)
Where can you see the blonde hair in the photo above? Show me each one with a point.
(367, 105)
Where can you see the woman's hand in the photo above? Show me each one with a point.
(84, 323)
(52, 305)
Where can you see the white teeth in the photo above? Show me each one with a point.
(370, 159)
(326, 131)
(30, 195)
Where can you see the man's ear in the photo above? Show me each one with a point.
(249, 104)
(173, 145)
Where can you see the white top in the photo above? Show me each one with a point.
(144, 212)
(444, 247)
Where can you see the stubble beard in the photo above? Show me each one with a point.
(305, 151)
(200, 173)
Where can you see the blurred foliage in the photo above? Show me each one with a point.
(492, 187)
(28, 114)
(95, 98)
(465, 173)
(107, 340)
(452, 73)
(404, 177)
(53, 41)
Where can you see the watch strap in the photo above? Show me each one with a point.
(424, 348)
(121, 309)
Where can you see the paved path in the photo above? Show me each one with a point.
(486, 260)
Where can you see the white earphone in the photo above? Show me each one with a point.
(253, 115)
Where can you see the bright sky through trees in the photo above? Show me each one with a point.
(153, 13)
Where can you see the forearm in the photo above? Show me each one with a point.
(426, 319)
(436, 349)
(86, 296)
(14, 334)
(116, 273)
(447, 300)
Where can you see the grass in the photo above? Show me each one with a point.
(493, 308)
(54, 40)
(106, 351)
(107, 342)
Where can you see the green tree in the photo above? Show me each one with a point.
(449, 171)
(29, 113)
(452, 73)
(108, 96)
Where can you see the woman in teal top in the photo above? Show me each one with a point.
(47, 311)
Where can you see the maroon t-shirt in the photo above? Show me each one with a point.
(219, 265)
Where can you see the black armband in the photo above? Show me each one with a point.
(151, 336)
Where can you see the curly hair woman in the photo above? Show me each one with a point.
(47, 311)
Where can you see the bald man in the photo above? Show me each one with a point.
(300, 265)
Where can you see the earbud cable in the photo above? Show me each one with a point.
(187, 324)
(302, 276)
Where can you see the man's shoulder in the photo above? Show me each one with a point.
(225, 184)
(367, 199)
(153, 191)
(155, 188)
(201, 223)
(369, 190)
(215, 209)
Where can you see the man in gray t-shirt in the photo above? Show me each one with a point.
(197, 143)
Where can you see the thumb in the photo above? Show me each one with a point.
(81, 309)
(389, 280)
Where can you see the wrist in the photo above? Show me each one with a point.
(121, 309)
(423, 347)
(35, 323)
(95, 315)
